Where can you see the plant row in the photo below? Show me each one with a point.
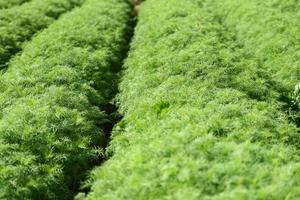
(11, 3)
(201, 97)
(18, 24)
(270, 31)
(52, 101)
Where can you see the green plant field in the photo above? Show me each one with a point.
(19, 24)
(202, 99)
(11, 3)
(269, 31)
(149, 100)
(51, 126)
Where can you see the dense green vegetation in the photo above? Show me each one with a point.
(210, 95)
(10, 3)
(296, 105)
(18, 24)
(269, 31)
(53, 97)
(203, 96)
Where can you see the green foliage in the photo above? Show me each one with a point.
(297, 94)
(50, 99)
(201, 98)
(269, 31)
(19, 24)
(295, 109)
(11, 3)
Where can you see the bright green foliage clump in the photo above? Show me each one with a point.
(202, 103)
(270, 32)
(297, 94)
(10, 3)
(19, 24)
(296, 105)
(51, 101)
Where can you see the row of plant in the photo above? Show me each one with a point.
(18, 24)
(201, 99)
(53, 98)
(11, 3)
(270, 32)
